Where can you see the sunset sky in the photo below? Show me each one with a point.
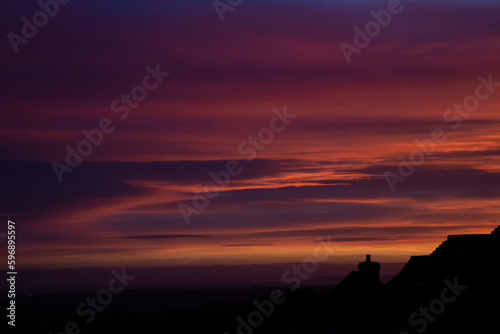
(322, 175)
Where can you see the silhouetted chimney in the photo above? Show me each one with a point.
(370, 270)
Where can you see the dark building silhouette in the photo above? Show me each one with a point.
(367, 277)
(455, 289)
(370, 271)
(473, 257)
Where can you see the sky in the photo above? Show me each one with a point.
(324, 174)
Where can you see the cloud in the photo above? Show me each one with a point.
(246, 245)
(167, 236)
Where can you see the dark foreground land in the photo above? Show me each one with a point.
(173, 310)
(306, 310)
